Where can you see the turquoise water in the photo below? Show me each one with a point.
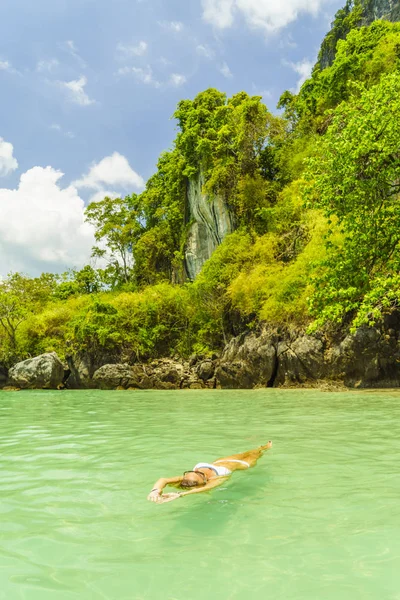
(318, 518)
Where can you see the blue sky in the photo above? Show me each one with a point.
(88, 88)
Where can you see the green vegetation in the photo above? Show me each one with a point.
(315, 198)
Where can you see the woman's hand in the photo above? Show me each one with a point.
(154, 496)
(169, 497)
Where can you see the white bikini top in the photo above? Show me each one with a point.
(219, 470)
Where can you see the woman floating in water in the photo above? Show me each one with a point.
(206, 476)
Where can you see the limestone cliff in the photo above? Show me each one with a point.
(209, 221)
(380, 9)
(349, 17)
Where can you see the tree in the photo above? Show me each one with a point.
(20, 297)
(118, 223)
(355, 179)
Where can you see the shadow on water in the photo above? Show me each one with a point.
(212, 513)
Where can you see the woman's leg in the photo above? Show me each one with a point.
(250, 456)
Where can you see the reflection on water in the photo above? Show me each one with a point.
(319, 517)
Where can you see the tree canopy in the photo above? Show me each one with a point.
(314, 193)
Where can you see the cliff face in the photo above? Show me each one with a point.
(355, 13)
(209, 222)
(380, 9)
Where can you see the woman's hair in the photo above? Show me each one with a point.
(188, 483)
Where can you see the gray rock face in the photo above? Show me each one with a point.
(206, 370)
(248, 361)
(380, 9)
(373, 10)
(300, 360)
(3, 376)
(210, 221)
(42, 372)
(110, 377)
(163, 374)
(369, 358)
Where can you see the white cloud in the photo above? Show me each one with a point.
(47, 65)
(56, 127)
(268, 15)
(113, 170)
(175, 26)
(70, 47)
(101, 194)
(7, 161)
(164, 61)
(75, 91)
(52, 235)
(303, 68)
(205, 51)
(266, 94)
(219, 12)
(177, 80)
(127, 50)
(5, 65)
(225, 71)
(145, 75)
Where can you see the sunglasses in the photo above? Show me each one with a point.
(197, 473)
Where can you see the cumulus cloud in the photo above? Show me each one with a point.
(5, 65)
(113, 170)
(177, 80)
(303, 69)
(8, 162)
(225, 71)
(101, 194)
(144, 75)
(175, 26)
(42, 225)
(205, 51)
(264, 14)
(219, 12)
(128, 50)
(75, 91)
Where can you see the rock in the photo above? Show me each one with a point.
(3, 375)
(82, 368)
(205, 370)
(300, 360)
(42, 372)
(162, 374)
(367, 359)
(111, 377)
(248, 361)
(10, 388)
(388, 10)
(211, 221)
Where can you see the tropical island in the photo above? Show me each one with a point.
(264, 251)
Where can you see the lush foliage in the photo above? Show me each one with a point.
(314, 195)
(355, 178)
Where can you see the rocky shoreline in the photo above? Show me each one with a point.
(370, 358)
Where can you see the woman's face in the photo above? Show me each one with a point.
(193, 479)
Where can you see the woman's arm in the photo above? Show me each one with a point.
(196, 490)
(156, 493)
